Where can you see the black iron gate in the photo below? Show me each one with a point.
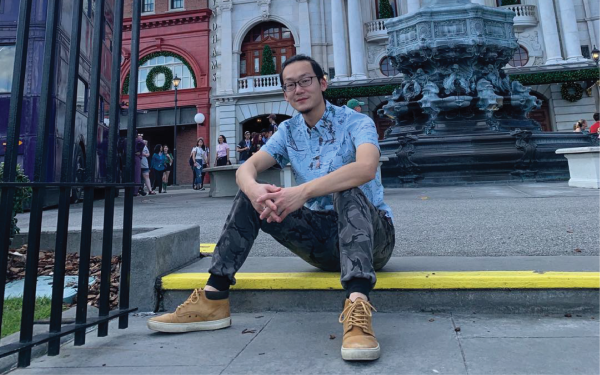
(40, 185)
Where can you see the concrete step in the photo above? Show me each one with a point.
(441, 284)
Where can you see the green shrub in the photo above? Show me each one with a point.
(22, 194)
(385, 9)
(267, 67)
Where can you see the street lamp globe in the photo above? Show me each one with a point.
(176, 81)
(199, 118)
(595, 54)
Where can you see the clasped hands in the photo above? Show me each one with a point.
(275, 203)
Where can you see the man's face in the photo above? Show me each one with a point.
(303, 99)
(358, 109)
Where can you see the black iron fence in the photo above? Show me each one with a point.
(40, 184)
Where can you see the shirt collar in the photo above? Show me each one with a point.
(327, 115)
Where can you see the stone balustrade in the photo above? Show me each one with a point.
(259, 83)
(376, 30)
(526, 15)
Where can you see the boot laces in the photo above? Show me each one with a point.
(193, 298)
(357, 314)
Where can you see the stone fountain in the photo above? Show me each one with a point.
(457, 116)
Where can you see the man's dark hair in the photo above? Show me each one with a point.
(596, 116)
(315, 66)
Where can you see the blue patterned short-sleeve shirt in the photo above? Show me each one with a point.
(329, 145)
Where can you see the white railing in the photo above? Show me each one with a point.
(259, 83)
(376, 29)
(526, 15)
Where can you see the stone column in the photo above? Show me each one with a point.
(227, 78)
(413, 5)
(357, 40)
(340, 55)
(304, 21)
(550, 32)
(570, 32)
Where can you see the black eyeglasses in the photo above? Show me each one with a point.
(291, 86)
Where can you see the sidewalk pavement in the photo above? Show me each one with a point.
(517, 219)
(309, 343)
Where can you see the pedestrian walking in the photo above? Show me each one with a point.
(200, 158)
(146, 170)
(158, 167)
(244, 147)
(580, 126)
(596, 125)
(256, 144)
(137, 170)
(335, 219)
(168, 166)
(355, 104)
(222, 152)
(273, 124)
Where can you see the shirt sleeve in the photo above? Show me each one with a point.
(276, 146)
(363, 130)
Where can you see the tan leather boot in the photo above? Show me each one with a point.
(198, 313)
(359, 343)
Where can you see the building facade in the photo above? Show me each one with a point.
(348, 38)
(174, 35)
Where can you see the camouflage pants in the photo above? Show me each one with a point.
(355, 238)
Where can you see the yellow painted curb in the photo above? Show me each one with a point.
(398, 280)
(207, 248)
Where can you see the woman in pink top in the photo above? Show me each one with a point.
(222, 152)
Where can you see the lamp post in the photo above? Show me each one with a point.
(595, 55)
(176, 82)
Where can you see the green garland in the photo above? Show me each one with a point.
(565, 91)
(152, 76)
(152, 55)
(592, 74)
(353, 92)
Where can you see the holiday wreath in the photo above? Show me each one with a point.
(152, 76)
(571, 91)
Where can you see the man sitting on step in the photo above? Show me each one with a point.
(335, 219)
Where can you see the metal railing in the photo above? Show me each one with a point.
(40, 184)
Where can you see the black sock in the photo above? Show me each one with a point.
(221, 283)
(216, 295)
(359, 286)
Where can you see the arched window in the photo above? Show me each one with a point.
(520, 58)
(173, 63)
(278, 37)
(387, 68)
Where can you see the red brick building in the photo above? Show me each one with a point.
(174, 35)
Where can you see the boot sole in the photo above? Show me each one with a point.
(189, 327)
(351, 354)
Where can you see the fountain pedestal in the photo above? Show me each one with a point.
(457, 116)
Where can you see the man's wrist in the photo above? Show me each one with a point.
(305, 190)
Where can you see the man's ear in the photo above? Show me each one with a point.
(285, 95)
(323, 84)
